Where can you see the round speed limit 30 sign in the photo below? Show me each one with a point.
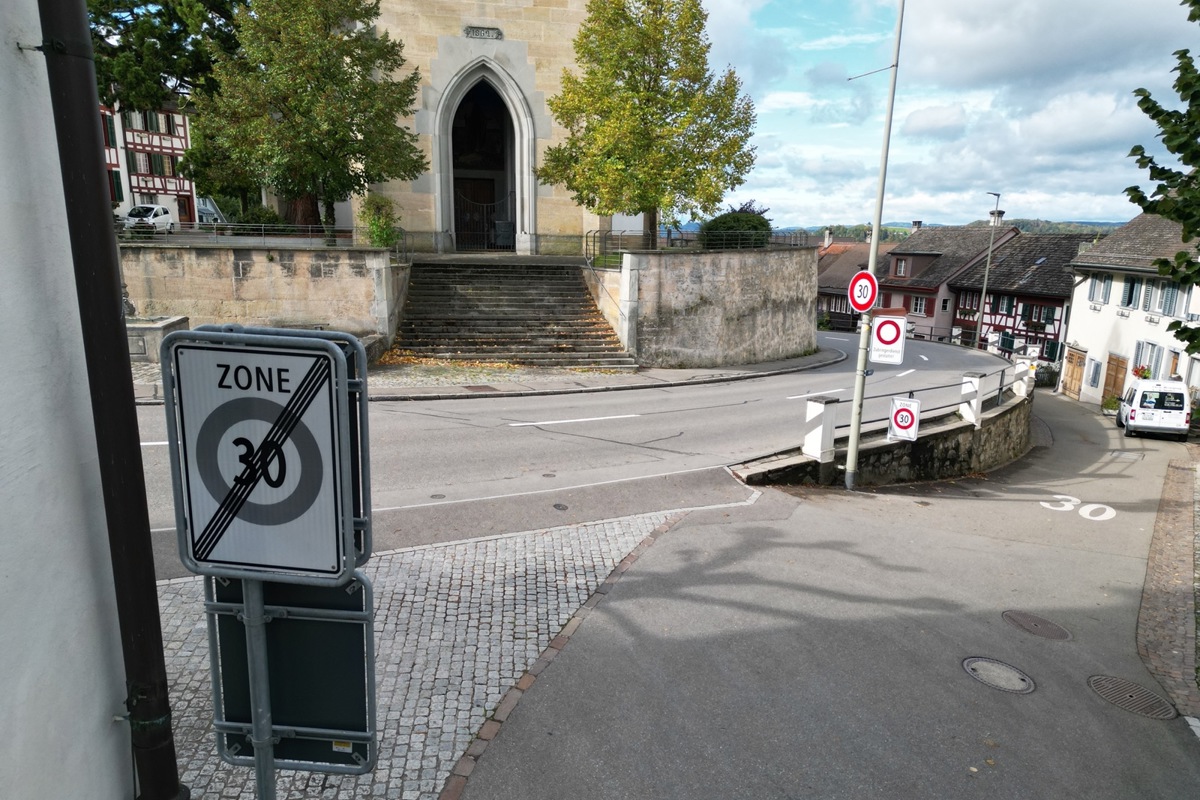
(905, 419)
(864, 290)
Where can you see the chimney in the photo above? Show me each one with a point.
(828, 237)
(997, 217)
(916, 226)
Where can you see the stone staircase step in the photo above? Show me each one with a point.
(527, 314)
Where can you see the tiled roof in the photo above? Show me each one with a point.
(955, 245)
(1134, 246)
(1032, 263)
(837, 264)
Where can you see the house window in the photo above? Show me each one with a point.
(1148, 354)
(901, 267)
(1093, 373)
(918, 305)
(969, 301)
(1131, 295)
(945, 304)
(1007, 304)
(114, 186)
(1035, 313)
(1100, 288)
(1051, 350)
(143, 163)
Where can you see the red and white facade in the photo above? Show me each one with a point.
(142, 150)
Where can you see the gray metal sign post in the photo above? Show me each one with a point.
(270, 471)
(860, 375)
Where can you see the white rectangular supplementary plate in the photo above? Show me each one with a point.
(259, 455)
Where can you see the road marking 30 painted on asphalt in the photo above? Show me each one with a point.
(1096, 512)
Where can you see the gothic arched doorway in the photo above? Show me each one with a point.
(482, 161)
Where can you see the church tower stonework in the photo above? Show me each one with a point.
(487, 68)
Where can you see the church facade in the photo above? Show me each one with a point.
(487, 69)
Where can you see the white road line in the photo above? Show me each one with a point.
(923, 358)
(569, 421)
(547, 491)
(814, 394)
(155, 444)
(906, 372)
(162, 530)
(837, 339)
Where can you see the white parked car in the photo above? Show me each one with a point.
(157, 217)
(1156, 407)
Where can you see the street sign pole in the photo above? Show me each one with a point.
(262, 736)
(860, 390)
(860, 378)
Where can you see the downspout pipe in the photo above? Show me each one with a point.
(67, 46)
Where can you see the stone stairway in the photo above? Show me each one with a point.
(519, 313)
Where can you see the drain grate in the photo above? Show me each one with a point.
(1132, 697)
(1038, 626)
(998, 675)
(1125, 455)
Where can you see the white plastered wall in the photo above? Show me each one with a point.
(60, 663)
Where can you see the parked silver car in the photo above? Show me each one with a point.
(146, 216)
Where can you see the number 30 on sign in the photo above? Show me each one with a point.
(905, 419)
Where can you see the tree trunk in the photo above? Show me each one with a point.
(330, 215)
(650, 229)
(303, 211)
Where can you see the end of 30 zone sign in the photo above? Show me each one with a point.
(259, 456)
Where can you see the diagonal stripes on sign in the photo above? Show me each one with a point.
(245, 483)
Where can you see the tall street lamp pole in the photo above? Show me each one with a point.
(987, 268)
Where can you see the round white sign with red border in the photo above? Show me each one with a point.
(863, 292)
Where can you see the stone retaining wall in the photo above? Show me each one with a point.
(715, 308)
(357, 291)
(949, 449)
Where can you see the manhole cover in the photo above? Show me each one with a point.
(998, 675)
(1125, 455)
(1032, 623)
(560, 507)
(1132, 697)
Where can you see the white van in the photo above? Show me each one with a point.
(1156, 407)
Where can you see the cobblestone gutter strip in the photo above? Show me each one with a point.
(1166, 631)
(457, 781)
(461, 631)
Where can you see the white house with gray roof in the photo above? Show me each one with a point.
(1120, 310)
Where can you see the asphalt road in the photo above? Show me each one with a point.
(453, 469)
(811, 645)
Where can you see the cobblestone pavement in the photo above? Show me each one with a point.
(456, 625)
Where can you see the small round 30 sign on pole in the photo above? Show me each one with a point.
(863, 292)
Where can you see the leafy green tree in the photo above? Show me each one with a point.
(149, 53)
(216, 172)
(1177, 194)
(308, 102)
(650, 129)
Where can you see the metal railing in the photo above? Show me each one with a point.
(968, 398)
(603, 248)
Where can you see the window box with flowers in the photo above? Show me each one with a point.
(1141, 372)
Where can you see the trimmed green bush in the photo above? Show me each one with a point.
(261, 215)
(735, 230)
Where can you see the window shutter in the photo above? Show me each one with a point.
(1154, 368)
(1147, 295)
(1026, 311)
(1107, 287)
(1170, 295)
(131, 162)
(1053, 350)
(1137, 353)
(1049, 314)
(1128, 290)
(156, 163)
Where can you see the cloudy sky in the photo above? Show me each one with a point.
(1029, 98)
